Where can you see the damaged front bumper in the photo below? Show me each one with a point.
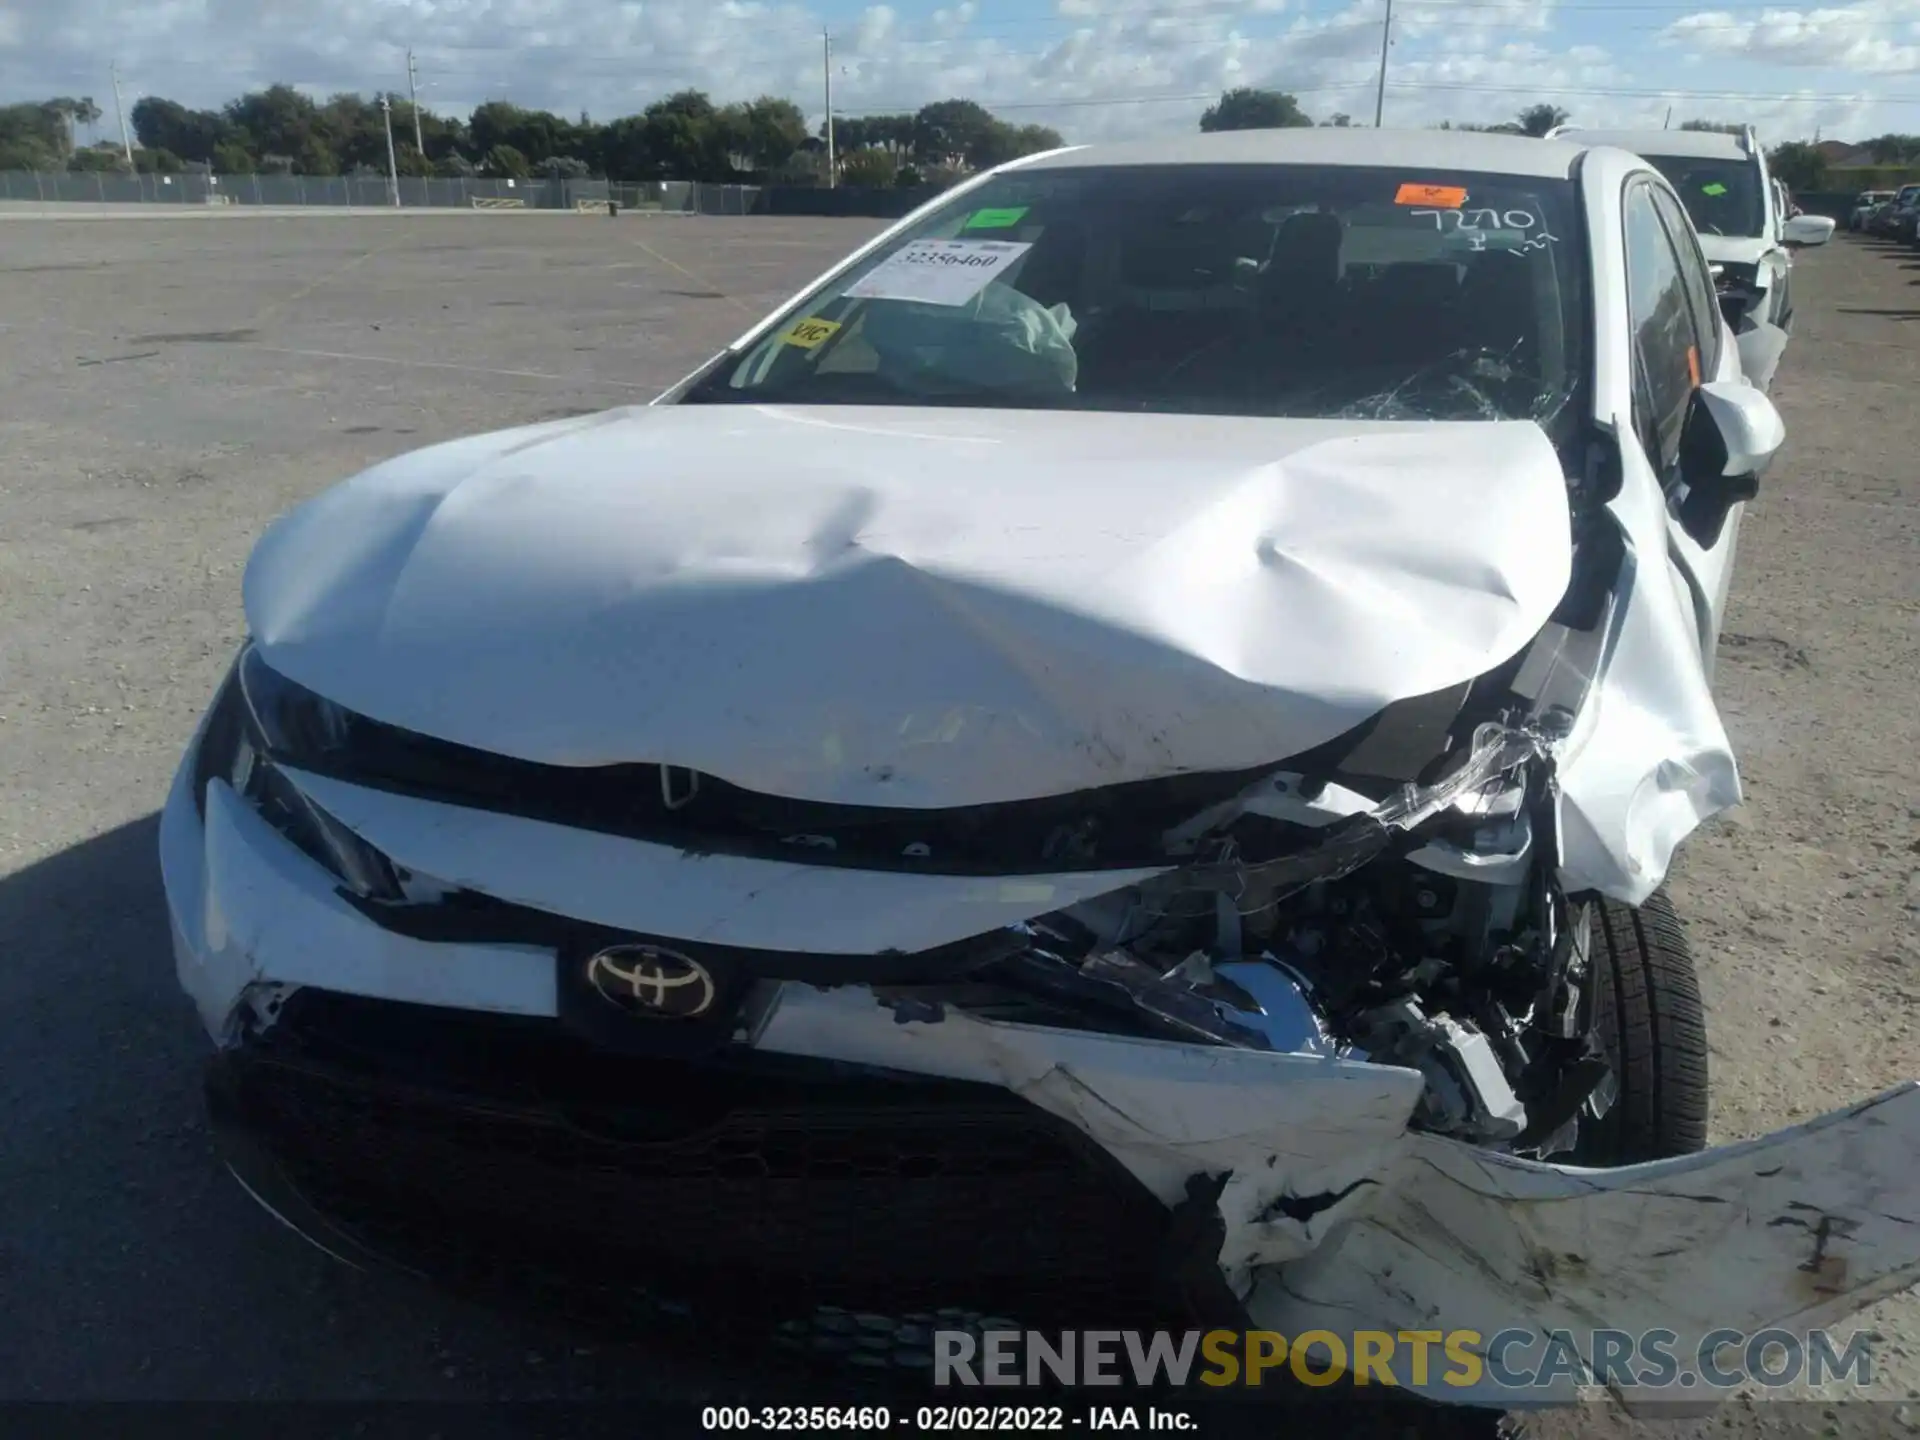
(373, 1080)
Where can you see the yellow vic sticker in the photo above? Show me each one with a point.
(810, 333)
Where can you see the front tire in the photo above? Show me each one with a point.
(1652, 1025)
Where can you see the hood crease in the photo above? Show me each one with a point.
(928, 608)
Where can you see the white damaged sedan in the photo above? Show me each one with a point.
(1126, 742)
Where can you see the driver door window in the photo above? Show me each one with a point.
(1701, 299)
(1666, 346)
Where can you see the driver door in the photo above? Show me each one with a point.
(1679, 341)
(1779, 259)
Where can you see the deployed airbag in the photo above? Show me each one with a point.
(999, 340)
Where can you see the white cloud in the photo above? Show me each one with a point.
(1094, 69)
(952, 22)
(1856, 38)
(877, 23)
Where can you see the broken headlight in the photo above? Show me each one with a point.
(289, 721)
(1734, 276)
(261, 719)
(1740, 288)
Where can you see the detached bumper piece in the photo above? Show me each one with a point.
(504, 1156)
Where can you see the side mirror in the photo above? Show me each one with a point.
(1732, 434)
(1807, 230)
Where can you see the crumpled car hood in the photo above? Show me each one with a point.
(916, 607)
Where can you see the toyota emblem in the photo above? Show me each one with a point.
(647, 980)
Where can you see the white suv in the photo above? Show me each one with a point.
(1745, 229)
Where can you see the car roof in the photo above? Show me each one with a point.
(1704, 144)
(1464, 150)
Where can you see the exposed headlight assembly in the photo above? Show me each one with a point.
(1735, 277)
(261, 720)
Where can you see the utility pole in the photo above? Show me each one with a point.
(413, 94)
(833, 176)
(1386, 39)
(1667, 123)
(393, 163)
(126, 141)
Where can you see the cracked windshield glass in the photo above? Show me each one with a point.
(1305, 291)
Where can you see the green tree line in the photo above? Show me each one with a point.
(1797, 162)
(43, 132)
(683, 136)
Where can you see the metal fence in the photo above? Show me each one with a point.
(374, 191)
(1837, 203)
(367, 190)
(687, 197)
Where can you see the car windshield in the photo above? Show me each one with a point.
(1722, 196)
(1277, 290)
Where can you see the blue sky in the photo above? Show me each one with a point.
(1094, 69)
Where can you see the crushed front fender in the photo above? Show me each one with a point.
(1336, 1217)
(1798, 1229)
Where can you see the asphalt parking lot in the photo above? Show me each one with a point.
(173, 384)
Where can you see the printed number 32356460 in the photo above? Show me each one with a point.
(970, 257)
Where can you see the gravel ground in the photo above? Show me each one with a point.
(175, 383)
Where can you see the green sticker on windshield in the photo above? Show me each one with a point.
(995, 219)
(1714, 189)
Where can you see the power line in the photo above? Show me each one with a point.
(1094, 102)
(1544, 88)
(607, 69)
(876, 107)
(687, 70)
(413, 98)
(1303, 26)
(1306, 28)
(1386, 39)
(1418, 12)
(126, 140)
(1768, 95)
(826, 71)
(1068, 26)
(1302, 29)
(393, 161)
(1279, 82)
(1234, 13)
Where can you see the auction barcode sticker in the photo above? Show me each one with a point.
(937, 272)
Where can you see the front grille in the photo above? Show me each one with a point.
(1114, 827)
(500, 1150)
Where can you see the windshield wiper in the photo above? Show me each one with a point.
(875, 388)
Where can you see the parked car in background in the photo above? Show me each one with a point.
(1864, 204)
(1880, 221)
(1903, 221)
(1740, 212)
